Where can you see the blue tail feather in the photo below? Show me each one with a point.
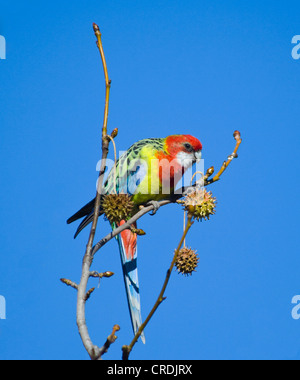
(132, 286)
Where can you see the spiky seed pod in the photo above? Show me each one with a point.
(117, 207)
(187, 261)
(200, 203)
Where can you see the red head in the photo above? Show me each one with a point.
(180, 151)
(186, 149)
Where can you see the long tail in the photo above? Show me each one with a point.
(128, 251)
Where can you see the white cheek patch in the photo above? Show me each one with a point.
(185, 159)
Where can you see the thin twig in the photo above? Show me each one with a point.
(69, 283)
(233, 155)
(110, 339)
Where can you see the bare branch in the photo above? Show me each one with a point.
(233, 155)
(110, 339)
(69, 283)
(93, 350)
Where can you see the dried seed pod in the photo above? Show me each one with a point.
(117, 207)
(200, 203)
(187, 261)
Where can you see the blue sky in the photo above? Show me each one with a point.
(204, 68)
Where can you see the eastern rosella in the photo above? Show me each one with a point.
(149, 171)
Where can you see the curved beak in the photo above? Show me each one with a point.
(198, 155)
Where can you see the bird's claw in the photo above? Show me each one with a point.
(155, 205)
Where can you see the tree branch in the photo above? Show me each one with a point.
(82, 294)
(110, 339)
(233, 155)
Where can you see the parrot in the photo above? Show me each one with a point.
(148, 171)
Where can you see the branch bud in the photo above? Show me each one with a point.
(88, 294)
(114, 133)
(96, 28)
(107, 274)
(210, 171)
(237, 135)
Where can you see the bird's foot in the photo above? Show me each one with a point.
(155, 205)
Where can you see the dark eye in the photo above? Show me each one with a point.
(188, 147)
